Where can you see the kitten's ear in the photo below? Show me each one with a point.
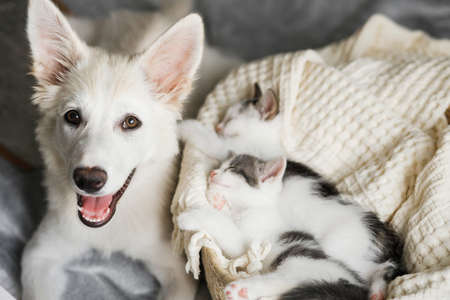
(231, 154)
(267, 105)
(171, 62)
(256, 91)
(273, 170)
(55, 47)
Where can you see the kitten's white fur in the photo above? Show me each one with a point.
(247, 214)
(242, 131)
(105, 86)
(264, 213)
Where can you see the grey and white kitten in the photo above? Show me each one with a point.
(249, 126)
(323, 247)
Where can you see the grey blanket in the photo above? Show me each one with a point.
(250, 29)
(20, 209)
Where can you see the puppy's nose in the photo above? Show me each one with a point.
(90, 179)
(212, 174)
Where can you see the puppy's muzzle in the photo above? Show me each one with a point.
(90, 180)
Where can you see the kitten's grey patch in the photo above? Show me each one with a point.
(326, 189)
(322, 187)
(389, 243)
(315, 290)
(257, 92)
(299, 169)
(248, 167)
(298, 250)
(290, 237)
(391, 272)
(306, 245)
(352, 272)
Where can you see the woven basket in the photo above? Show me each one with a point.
(216, 276)
(369, 113)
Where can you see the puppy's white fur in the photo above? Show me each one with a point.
(104, 87)
(125, 31)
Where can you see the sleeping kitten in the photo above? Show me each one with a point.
(322, 246)
(250, 126)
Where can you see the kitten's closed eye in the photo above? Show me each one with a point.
(245, 166)
(240, 173)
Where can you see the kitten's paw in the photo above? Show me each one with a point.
(378, 290)
(189, 220)
(218, 201)
(378, 286)
(189, 129)
(237, 290)
(377, 296)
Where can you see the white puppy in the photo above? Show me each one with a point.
(107, 133)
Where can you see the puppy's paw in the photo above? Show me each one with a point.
(237, 290)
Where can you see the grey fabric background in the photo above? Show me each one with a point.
(114, 278)
(21, 206)
(247, 28)
(256, 28)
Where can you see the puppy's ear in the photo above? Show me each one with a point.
(273, 170)
(267, 105)
(55, 47)
(171, 62)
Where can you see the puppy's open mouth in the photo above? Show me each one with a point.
(97, 211)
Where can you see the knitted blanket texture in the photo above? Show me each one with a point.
(369, 114)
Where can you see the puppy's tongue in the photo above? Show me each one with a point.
(96, 207)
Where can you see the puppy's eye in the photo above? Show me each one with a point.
(131, 122)
(73, 117)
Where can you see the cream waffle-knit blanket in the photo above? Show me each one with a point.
(369, 113)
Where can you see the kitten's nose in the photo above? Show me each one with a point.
(219, 128)
(212, 174)
(90, 179)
